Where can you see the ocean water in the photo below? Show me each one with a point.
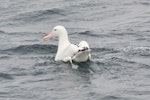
(118, 32)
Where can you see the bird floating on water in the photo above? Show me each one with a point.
(66, 51)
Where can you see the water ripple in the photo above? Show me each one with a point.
(40, 15)
(6, 76)
(29, 49)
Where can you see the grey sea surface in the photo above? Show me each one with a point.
(118, 32)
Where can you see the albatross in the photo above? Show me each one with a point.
(68, 52)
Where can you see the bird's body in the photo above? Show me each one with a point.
(67, 51)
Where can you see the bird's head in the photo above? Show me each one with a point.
(57, 31)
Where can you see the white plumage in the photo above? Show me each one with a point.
(67, 51)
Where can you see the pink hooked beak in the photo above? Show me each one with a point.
(46, 38)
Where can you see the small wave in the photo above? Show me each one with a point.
(2, 32)
(4, 57)
(111, 97)
(105, 50)
(45, 63)
(37, 72)
(119, 61)
(108, 62)
(145, 3)
(141, 51)
(5, 76)
(113, 61)
(125, 34)
(88, 33)
(39, 15)
(28, 49)
(142, 39)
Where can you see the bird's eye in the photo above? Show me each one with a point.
(55, 29)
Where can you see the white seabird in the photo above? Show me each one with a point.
(66, 51)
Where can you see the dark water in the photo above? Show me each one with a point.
(118, 32)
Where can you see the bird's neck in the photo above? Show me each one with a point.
(62, 45)
(63, 42)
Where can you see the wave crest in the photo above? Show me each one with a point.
(29, 49)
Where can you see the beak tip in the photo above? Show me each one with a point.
(44, 39)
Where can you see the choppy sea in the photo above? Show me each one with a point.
(118, 32)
